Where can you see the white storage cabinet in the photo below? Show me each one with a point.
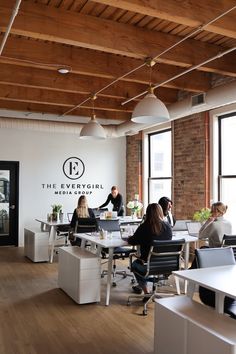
(36, 245)
(79, 274)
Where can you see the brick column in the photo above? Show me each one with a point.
(133, 167)
(190, 164)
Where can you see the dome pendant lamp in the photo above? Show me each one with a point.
(93, 130)
(150, 110)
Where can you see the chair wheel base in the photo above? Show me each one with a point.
(144, 312)
(114, 284)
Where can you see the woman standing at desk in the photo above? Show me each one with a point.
(116, 199)
(153, 228)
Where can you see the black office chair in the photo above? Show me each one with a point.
(213, 257)
(119, 252)
(164, 257)
(64, 230)
(230, 240)
(84, 225)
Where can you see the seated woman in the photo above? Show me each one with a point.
(166, 205)
(216, 226)
(213, 230)
(82, 211)
(153, 228)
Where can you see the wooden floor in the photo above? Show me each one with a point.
(39, 318)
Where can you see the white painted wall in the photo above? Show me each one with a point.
(41, 156)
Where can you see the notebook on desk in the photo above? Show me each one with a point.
(193, 228)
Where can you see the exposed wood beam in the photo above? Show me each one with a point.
(64, 99)
(94, 63)
(188, 13)
(72, 83)
(51, 24)
(34, 107)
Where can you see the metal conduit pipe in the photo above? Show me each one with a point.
(224, 95)
(8, 30)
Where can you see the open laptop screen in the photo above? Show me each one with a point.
(193, 228)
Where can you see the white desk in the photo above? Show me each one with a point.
(126, 220)
(116, 241)
(52, 226)
(188, 239)
(222, 280)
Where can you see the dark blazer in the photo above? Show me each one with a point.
(144, 237)
(117, 202)
(75, 217)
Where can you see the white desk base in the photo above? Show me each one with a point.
(110, 244)
(183, 326)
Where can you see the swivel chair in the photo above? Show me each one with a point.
(119, 252)
(213, 257)
(163, 258)
(230, 240)
(85, 225)
(64, 230)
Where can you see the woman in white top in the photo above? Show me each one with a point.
(216, 226)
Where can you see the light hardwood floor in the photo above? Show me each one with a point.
(39, 318)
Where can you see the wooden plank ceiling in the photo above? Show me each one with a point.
(100, 41)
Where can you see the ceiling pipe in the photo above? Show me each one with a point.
(8, 29)
(217, 97)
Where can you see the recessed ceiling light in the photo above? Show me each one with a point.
(63, 70)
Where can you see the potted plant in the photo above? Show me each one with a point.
(56, 209)
(135, 207)
(202, 215)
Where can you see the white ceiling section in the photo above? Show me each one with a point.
(104, 45)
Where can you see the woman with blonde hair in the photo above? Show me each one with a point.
(216, 226)
(82, 211)
(153, 228)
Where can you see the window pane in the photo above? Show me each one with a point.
(160, 154)
(158, 189)
(4, 202)
(228, 186)
(228, 145)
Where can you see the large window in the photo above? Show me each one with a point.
(227, 165)
(160, 171)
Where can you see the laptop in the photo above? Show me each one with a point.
(193, 228)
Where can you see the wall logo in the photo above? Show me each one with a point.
(73, 168)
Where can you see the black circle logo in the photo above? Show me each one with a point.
(73, 168)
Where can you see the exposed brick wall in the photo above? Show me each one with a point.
(190, 164)
(190, 139)
(133, 167)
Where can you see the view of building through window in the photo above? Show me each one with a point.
(160, 177)
(227, 165)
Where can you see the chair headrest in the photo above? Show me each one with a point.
(213, 257)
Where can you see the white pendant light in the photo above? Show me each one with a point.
(150, 110)
(92, 130)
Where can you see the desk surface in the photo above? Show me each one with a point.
(221, 279)
(115, 241)
(184, 234)
(53, 223)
